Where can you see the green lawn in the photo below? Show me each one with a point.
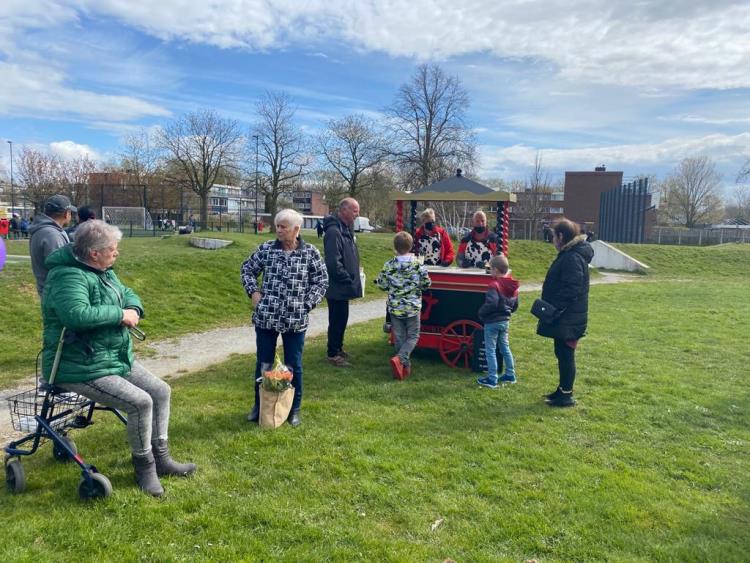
(652, 465)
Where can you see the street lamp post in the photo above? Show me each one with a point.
(256, 183)
(12, 189)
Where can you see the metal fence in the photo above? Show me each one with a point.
(697, 237)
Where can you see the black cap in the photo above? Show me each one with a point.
(58, 204)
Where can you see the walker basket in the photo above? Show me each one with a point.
(62, 409)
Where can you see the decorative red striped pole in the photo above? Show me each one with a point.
(399, 215)
(506, 226)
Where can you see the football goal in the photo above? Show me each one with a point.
(126, 216)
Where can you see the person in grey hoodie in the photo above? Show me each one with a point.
(48, 234)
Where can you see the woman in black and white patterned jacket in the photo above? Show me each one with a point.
(294, 282)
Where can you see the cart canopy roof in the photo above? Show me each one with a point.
(454, 188)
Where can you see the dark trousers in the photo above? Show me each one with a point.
(338, 316)
(294, 343)
(566, 363)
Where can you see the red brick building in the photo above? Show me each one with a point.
(583, 192)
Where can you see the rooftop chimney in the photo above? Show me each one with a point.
(600, 168)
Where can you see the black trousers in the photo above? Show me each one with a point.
(566, 363)
(338, 316)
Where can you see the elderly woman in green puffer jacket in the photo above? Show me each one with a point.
(83, 295)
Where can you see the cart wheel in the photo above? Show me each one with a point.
(99, 487)
(457, 343)
(60, 454)
(15, 478)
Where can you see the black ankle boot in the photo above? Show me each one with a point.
(254, 414)
(552, 396)
(564, 399)
(294, 418)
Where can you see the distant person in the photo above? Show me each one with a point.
(4, 227)
(24, 226)
(319, 228)
(14, 226)
(294, 282)
(433, 242)
(404, 278)
(85, 297)
(500, 302)
(84, 214)
(48, 234)
(344, 283)
(566, 287)
(479, 245)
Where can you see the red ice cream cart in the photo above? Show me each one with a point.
(449, 308)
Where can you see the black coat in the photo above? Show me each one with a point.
(566, 286)
(342, 260)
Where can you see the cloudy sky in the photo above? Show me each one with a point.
(636, 85)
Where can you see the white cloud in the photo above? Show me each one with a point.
(70, 150)
(516, 161)
(663, 44)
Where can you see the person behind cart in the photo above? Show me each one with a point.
(432, 241)
(84, 297)
(500, 302)
(404, 278)
(566, 288)
(294, 282)
(479, 245)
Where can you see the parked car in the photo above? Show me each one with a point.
(362, 225)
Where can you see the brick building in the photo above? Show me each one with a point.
(583, 192)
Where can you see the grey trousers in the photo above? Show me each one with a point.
(142, 396)
(405, 336)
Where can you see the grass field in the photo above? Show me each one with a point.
(184, 289)
(652, 465)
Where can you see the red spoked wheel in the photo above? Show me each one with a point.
(457, 343)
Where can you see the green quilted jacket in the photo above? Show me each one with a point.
(89, 303)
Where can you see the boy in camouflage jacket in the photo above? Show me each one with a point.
(404, 278)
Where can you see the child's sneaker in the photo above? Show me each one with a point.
(397, 368)
(508, 379)
(490, 382)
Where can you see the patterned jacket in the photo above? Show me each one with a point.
(404, 281)
(437, 247)
(293, 284)
(476, 250)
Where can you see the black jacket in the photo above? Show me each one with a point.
(566, 286)
(342, 260)
(500, 301)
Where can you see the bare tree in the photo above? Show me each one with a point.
(204, 145)
(532, 198)
(283, 153)
(140, 159)
(38, 174)
(353, 147)
(430, 135)
(691, 193)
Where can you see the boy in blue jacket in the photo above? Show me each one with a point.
(500, 302)
(404, 278)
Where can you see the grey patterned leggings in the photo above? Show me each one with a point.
(142, 396)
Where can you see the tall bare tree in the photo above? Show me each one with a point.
(430, 135)
(691, 193)
(283, 151)
(140, 159)
(204, 145)
(533, 198)
(38, 174)
(352, 146)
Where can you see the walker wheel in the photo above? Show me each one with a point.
(456, 344)
(15, 478)
(62, 455)
(98, 487)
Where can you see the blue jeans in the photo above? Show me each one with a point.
(294, 342)
(496, 342)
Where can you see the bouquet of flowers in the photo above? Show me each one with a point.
(278, 378)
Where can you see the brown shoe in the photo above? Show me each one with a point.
(397, 367)
(338, 361)
(345, 355)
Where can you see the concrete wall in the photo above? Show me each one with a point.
(607, 256)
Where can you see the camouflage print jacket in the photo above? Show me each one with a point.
(404, 278)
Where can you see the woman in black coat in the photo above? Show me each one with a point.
(566, 286)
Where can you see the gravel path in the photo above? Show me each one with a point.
(194, 352)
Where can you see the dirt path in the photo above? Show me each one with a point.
(194, 352)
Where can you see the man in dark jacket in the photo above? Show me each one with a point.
(566, 287)
(48, 234)
(344, 284)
